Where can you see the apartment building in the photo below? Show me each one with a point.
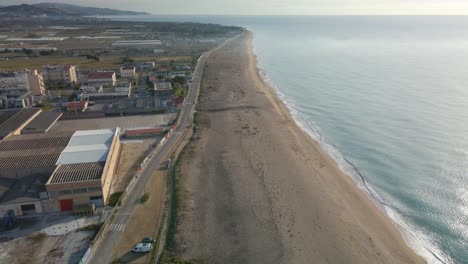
(59, 73)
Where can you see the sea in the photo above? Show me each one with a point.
(387, 98)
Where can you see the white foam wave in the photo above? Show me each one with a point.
(418, 240)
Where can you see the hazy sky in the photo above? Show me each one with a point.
(269, 7)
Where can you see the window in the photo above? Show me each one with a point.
(81, 190)
(64, 192)
(94, 189)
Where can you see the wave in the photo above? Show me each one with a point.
(418, 240)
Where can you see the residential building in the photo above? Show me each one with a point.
(101, 79)
(36, 82)
(59, 74)
(162, 88)
(127, 72)
(10, 81)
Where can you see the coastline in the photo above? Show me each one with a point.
(345, 165)
(280, 104)
(279, 198)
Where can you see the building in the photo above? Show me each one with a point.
(146, 65)
(16, 99)
(59, 74)
(42, 123)
(162, 88)
(127, 72)
(14, 123)
(124, 88)
(26, 163)
(77, 106)
(85, 170)
(10, 81)
(36, 82)
(101, 79)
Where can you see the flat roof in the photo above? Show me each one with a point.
(42, 122)
(17, 120)
(22, 190)
(69, 173)
(87, 146)
(100, 75)
(7, 114)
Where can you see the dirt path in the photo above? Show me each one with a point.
(257, 189)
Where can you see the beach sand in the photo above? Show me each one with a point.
(258, 189)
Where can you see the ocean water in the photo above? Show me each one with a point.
(387, 97)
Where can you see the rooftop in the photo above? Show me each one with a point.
(100, 75)
(7, 114)
(42, 122)
(68, 173)
(22, 190)
(87, 146)
(17, 120)
(32, 151)
(56, 67)
(128, 68)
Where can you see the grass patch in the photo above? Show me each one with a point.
(144, 198)
(177, 198)
(114, 198)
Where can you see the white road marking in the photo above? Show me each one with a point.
(117, 227)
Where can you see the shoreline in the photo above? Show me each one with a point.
(345, 165)
(278, 197)
(360, 181)
(350, 171)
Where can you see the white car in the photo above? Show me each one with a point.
(143, 247)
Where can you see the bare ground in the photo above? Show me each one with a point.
(257, 189)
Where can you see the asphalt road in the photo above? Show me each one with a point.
(105, 251)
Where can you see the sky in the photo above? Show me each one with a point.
(276, 7)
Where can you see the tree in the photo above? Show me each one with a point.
(180, 80)
(127, 60)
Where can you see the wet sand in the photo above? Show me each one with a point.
(257, 189)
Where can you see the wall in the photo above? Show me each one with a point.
(16, 207)
(111, 165)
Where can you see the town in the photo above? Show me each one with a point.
(83, 109)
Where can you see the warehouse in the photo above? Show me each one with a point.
(26, 163)
(42, 123)
(84, 170)
(14, 124)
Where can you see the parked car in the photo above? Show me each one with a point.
(143, 248)
(148, 240)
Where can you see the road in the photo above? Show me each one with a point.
(104, 252)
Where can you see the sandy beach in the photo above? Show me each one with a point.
(257, 189)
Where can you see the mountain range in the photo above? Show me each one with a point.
(60, 10)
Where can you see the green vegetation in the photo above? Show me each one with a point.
(144, 197)
(45, 107)
(114, 198)
(127, 60)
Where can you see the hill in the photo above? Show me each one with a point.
(25, 10)
(88, 11)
